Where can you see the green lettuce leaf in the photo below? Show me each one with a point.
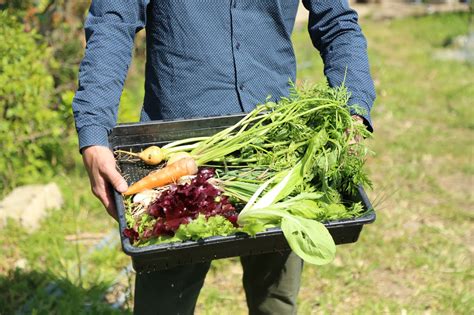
(202, 228)
(309, 239)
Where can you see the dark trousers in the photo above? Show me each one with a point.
(271, 283)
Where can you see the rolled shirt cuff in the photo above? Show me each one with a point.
(93, 135)
(360, 108)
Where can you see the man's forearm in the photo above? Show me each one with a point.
(335, 32)
(110, 29)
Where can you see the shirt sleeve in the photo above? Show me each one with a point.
(110, 30)
(335, 32)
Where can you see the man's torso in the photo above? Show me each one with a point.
(216, 57)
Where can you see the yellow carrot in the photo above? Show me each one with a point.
(152, 155)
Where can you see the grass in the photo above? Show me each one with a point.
(416, 258)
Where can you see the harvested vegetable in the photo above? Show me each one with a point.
(308, 238)
(166, 175)
(285, 164)
(173, 157)
(152, 155)
(180, 204)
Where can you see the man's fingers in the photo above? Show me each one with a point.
(113, 177)
(100, 164)
(356, 137)
(103, 191)
(105, 196)
(110, 203)
(99, 189)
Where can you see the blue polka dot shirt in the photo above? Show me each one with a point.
(210, 57)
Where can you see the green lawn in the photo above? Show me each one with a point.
(417, 257)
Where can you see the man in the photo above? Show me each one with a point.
(207, 58)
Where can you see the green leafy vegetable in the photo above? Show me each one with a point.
(202, 228)
(309, 239)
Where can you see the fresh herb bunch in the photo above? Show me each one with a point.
(290, 125)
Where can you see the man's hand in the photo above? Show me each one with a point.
(357, 138)
(100, 164)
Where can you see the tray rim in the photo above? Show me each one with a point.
(368, 217)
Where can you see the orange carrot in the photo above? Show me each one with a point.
(173, 157)
(167, 175)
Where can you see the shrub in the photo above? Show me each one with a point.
(32, 130)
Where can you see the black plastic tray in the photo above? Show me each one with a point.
(164, 256)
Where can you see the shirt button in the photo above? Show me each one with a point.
(241, 87)
(237, 46)
(235, 4)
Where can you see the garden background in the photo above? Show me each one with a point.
(417, 258)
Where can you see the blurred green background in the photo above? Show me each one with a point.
(417, 258)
